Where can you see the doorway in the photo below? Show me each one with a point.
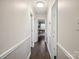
(41, 30)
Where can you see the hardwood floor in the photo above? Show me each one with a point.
(40, 50)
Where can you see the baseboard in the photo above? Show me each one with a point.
(28, 57)
(65, 51)
(7, 52)
(32, 44)
(51, 55)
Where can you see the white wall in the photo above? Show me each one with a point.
(15, 23)
(54, 26)
(68, 25)
(49, 36)
(35, 29)
(52, 30)
(32, 30)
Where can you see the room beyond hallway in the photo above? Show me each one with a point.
(40, 50)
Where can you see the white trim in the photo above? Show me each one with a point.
(28, 57)
(65, 51)
(7, 52)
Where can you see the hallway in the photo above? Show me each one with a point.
(21, 22)
(40, 50)
(39, 29)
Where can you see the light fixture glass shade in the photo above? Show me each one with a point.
(40, 4)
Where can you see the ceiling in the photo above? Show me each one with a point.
(41, 11)
(37, 11)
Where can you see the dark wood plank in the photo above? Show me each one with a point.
(40, 51)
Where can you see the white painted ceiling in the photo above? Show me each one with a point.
(37, 11)
(41, 11)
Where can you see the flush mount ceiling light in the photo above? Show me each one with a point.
(40, 4)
